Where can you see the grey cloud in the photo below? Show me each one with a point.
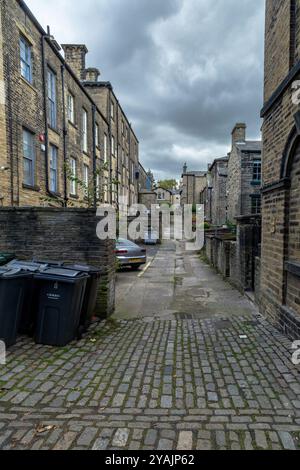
(184, 70)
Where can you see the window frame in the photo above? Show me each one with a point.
(27, 61)
(84, 130)
(105, 148)
(256, 204)
(32, 160)
(71, 109)
(97, 135)
(52, 98)
(54, 169)
(113, 146)
(257, 171)
(86, 178)
(112, 110)
(73, 184)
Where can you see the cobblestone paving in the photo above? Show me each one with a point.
(187, 384)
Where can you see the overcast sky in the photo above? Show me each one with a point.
(184, 70)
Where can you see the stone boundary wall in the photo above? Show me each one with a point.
(61, 234)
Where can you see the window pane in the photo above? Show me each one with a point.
(53, 169)
(25, 59)
(29, 158)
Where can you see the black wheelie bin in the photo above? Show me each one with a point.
(90, 296)
(13, 286)
(61, 294)
(28, 316)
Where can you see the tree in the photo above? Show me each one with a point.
(168, 184)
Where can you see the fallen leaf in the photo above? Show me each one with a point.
(41, 429)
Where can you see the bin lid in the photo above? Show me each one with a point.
(26, 265)
(60, 272)
(12, 273)
(84, 268)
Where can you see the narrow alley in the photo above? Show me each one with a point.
(185, 363)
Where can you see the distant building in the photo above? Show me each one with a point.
(193, 183)
(164, 196)
(244, 175)
(176, 197)
(217, 191)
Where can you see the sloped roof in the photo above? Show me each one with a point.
(250, 146)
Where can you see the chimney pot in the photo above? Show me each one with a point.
(75, 57)
(239, 133)
(92, 75)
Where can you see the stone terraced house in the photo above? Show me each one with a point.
(244, 175)
(192, 185)
(64, 137)
(280, 270)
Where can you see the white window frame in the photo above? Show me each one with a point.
(84, 124)
(73, 168)
(71, 107)
(97, 134)
(113, 146)
(105, 148)
(53, 164)
(86, 177)
(52, 101)
(26, 59)
(28, 157)
(112, 110)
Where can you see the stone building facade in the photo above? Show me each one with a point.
(280, 262)
(244, 175)
(218, 191)
(61, 143)
(193, 183)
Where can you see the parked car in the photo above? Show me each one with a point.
(130, 254)
(151, 238)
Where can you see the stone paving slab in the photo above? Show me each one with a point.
(160, 385)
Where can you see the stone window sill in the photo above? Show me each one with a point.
(293, 267)
(29, 84)
(56, 131)
(31, 188)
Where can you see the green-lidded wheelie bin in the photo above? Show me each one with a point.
(6, 258)
(13, 285)
(60, 297)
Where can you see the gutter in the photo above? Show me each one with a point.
(94, 155)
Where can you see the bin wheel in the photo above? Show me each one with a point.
(80, 333)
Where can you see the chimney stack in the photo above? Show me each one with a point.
(92, 75)
(75, 58)
(239, 133)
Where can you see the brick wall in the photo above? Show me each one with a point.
(23, 107)
(61, 234)
(281, 165)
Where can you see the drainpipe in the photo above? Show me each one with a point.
(10, 124)
(65, 132)
(118, 154)
(94, 155)
(45, 113)
(110, 139)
